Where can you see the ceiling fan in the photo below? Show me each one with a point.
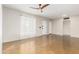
(40, 7)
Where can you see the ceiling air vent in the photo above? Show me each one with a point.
(66, 18)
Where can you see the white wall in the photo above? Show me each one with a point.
(57, 26)
(12, 25)
(75, 26)
(0, 28)
(67, 27)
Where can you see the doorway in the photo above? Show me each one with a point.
(44, 27)
(66, 34)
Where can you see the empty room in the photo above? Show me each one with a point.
(40, 29)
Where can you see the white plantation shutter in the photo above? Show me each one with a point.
(28, 25)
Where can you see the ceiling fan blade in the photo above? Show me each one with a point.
(44, 6)
(34, 8)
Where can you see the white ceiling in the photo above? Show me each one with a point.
(51, 11)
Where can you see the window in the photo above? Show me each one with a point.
(28, 26)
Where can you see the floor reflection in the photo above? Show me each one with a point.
(48, 44)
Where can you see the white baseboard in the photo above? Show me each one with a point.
(31, 36)
(25, 37)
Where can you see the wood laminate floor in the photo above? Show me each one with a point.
(48, 44)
